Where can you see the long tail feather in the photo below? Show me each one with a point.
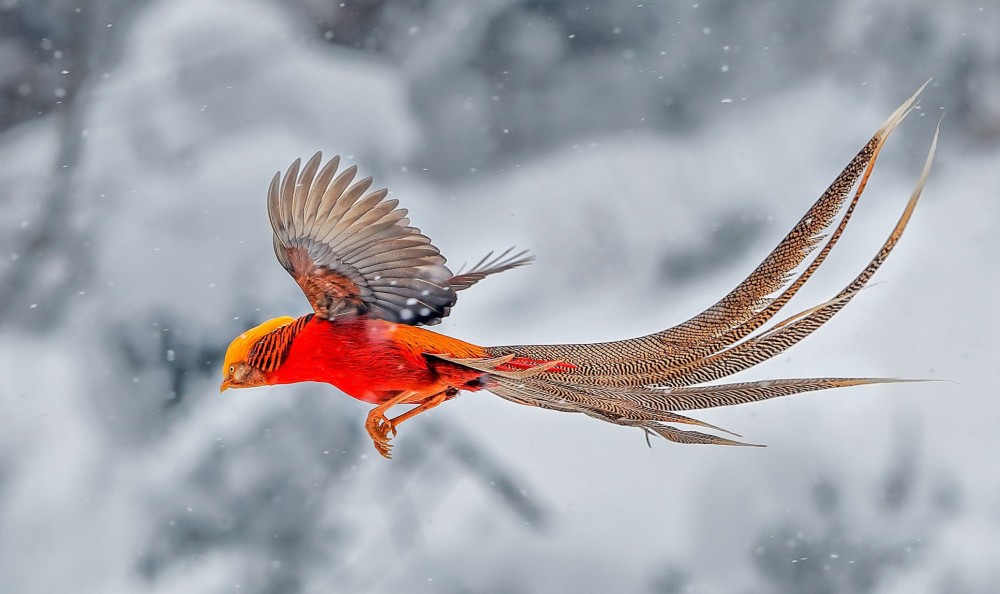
(713, 396)
(647, 408)
(622, 405)
(748, 305)
(643, 382)
(732, 310)
(709, 362)
(537, 395)
(788, 333)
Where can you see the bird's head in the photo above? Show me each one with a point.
(236, 372)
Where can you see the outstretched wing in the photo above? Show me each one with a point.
(354, 253)
(489, 265)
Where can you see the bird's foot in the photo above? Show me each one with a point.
(381, 430)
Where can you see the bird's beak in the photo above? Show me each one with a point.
(225, 385)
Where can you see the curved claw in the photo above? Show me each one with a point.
(381, 430)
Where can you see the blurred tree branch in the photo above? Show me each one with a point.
(52, 254)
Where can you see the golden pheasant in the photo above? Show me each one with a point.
(373, 280)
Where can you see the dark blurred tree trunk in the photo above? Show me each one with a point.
(53, 259)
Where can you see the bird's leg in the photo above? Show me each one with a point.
(379, 427)
(425, 406)
(382, 429)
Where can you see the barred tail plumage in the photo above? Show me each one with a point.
(643, 382)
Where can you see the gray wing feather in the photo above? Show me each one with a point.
(352, 251)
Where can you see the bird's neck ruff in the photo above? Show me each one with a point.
(240, 349)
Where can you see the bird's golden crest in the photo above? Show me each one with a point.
(240, 347)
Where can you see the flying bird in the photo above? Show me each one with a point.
(373, 280)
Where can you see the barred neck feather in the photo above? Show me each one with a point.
(271, 350)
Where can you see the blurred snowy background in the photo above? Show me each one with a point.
(650, 154)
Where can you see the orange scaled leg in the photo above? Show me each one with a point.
(382, 429)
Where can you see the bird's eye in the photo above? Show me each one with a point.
(232, 369)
